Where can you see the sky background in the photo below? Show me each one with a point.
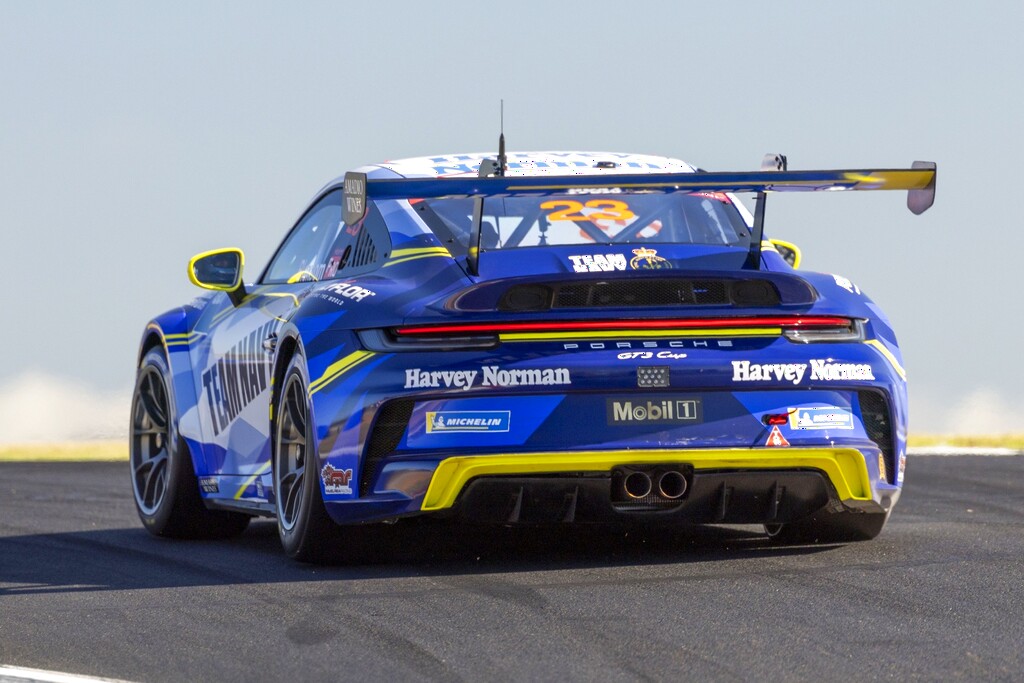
(133, 135)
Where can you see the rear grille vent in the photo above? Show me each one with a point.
(365, 251)
(385, 435)
(640, 293)
(874, 410)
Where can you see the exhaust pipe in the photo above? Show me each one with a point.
(637, 484)
(671, 484)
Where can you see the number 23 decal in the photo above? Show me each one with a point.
(568, 210)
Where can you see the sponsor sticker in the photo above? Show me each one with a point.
(335, 480)
(237, 378)
(653, 410)
(820, 370)
(902, 468)
(209, 484)
(585, 263)
(467, 421)
(776, 439)
(350, 291)
(882, 474)
(820, 418)
(487, 376)
(354, 196)
(648, 259)
(846, 284)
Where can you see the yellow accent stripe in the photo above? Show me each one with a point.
(183, 338)
(899, 179)
(336, 369)
(249, 482)
(630, 334)
(415, 258)
(880, 347)
(845, 467)
(441, 251)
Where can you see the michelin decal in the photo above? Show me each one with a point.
(467, 421)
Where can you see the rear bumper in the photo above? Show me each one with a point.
(731, 485)
(844, 468)
(712, 497)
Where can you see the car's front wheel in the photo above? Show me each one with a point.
(163, 479)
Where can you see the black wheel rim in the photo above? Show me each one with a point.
(150, 455)
(290, 445)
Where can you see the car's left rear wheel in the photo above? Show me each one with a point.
(163, 479)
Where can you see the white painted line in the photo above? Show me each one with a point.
(962, 450)
(16, 674)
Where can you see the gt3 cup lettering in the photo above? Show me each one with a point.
(645, 355)
(821, 370)
(492, 376)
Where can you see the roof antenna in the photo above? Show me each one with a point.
(502, 159)
(492, 167)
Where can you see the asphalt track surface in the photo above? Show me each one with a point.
(938, 596)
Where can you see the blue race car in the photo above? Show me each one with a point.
(553, 337)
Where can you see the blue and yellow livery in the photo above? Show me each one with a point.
(541, 338)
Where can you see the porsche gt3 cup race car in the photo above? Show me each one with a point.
(552, 337)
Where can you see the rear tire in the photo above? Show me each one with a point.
(163, 479)
(307, 532)
(829, 527)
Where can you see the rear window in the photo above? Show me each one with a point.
(589, 217)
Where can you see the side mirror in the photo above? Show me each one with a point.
(219, 270)
(789, 252)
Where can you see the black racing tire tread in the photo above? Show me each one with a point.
(182, 513)
(315, 537)
(829, 527)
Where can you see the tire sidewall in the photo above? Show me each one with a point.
(160, 518)
(298, 539)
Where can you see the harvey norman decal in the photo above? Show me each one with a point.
(821, 370)
(487, 376)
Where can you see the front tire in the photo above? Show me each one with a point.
(163, 479)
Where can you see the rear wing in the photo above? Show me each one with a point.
(918, 181)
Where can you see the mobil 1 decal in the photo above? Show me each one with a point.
(653, 409)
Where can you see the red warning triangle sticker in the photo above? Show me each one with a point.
(776, 438)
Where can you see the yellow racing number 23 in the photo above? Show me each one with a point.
(569, 210)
